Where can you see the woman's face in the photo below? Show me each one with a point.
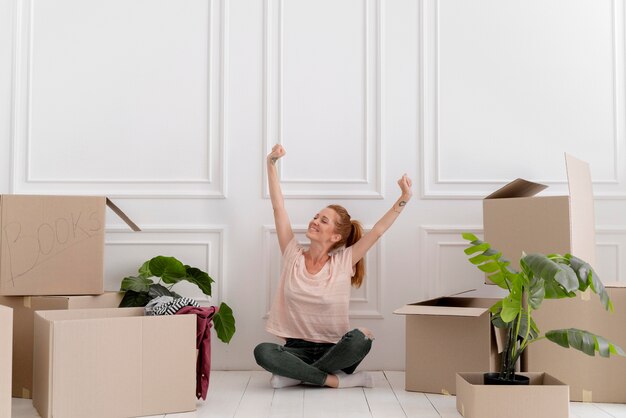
(322, 227)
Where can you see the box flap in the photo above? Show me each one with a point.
(517, 188)
(440, 310)
(122, 215)
(79, 314)
(615, 284)
(581, 209)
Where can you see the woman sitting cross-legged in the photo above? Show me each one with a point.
(310, 308)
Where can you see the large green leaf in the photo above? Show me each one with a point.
(552, 272)
(582, 269)
(533, 328)
(481, 247)
(199, 278)
(533, 332)
(584, 341)
(496, 319)
(523, 325)
(536, 292)
(144, 270)
(512, 304)
(134, 299)
(488, 260)
(489, 267)
(480, 258)
(169, 269)
(469, 236)
(136, 284)
(499, 279)
(587, 277)
(157, 290)
(224, 323)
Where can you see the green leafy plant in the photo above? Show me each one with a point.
(140, 289)
(540, 277)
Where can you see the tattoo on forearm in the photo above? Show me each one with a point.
(400, 205)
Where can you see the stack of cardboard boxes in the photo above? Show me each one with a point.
(515, 220)
(52, 284)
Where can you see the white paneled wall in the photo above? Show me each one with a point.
(170, 107)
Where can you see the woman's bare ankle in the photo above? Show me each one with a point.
(331, 381)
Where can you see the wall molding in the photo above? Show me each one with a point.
(434, 187)
(430, 255)
(615, 237)
(370, 183)
(198, 235)
(211, 186)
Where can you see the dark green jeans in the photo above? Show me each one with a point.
(312, 362)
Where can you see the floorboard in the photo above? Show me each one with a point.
(414, 404)
(248, 394)
(382, 400)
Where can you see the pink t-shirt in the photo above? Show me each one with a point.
(312, 307)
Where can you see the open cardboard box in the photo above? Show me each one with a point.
(516, 221)
(24, 308)
(53, 245)
(6, 338)
(545, 397)
(444, 336)
(591, 379)
(113, 363)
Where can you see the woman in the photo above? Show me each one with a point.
(310, 309)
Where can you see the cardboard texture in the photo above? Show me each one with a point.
(24, 308)
(53, 245)
(445, 336)
(591, 379)
(545, 397)
(113, 363)
(6, 337)
(516, 221)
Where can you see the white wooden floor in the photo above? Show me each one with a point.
(249, 394)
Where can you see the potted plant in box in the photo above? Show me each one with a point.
(540, 277)
(140, 289)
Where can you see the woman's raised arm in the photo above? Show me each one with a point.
(281, 218)
(362, 246)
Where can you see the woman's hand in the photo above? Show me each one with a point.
(277, 152)
(405, 184)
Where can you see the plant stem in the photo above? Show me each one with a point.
(505, 355)
(508, 367)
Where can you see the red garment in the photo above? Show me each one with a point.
(203, 344)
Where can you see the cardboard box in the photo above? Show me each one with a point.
(6, 336)
(113, 363)
(24, 308)
(53, 245)
(516, 221)
(545, 397)
(445, 336)
(591, 379)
